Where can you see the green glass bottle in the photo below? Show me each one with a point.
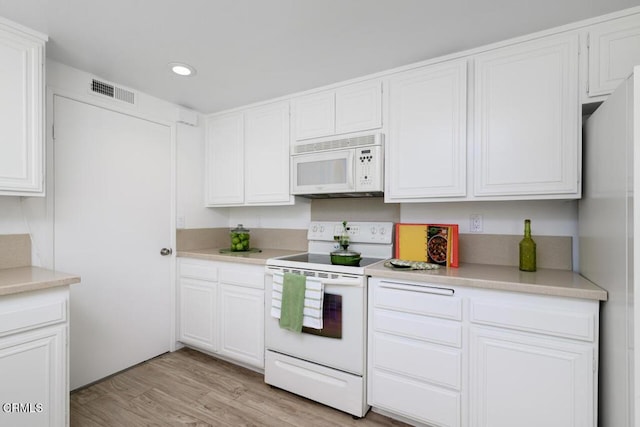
(527, 249)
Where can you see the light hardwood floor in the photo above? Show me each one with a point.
(189, 388)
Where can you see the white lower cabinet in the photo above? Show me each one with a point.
(242, 323)
(198, 302)
(221, 309)
(453, 356)
(415, 352)
(524, 380)
(34, 385)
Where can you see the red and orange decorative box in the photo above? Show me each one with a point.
(434, 243)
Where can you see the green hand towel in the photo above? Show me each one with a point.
(293, 287)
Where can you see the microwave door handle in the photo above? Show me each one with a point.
(351, 170)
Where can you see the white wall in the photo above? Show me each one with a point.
(12, 220)
(35, 215)
(296, 216)
(190, 209)
(548, 217)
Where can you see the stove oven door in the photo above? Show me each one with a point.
(341, 342)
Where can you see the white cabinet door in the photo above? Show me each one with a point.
(266, 167)
(225, 160)
(527, 120)
(198, 308)
(614, 48)
(427, 133)
(221, 309)
(529, 381)
(314, 115)
(359, 107)
(21, 112)
(242, 324)
(33, 372)
(352, 108)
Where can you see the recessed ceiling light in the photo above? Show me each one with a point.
(182, 69)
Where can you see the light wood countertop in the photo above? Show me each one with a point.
(25, 279)
(564, 283)
(259, 258)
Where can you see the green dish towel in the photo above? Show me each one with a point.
(291, 311)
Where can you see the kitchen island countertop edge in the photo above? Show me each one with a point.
(25, 279)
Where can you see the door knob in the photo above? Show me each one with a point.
(166, 251)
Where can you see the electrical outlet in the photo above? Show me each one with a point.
(475, 223)
(180, 222)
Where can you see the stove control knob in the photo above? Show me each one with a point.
(383, 230)
(322, 228)
(314, 228)
(373, 230)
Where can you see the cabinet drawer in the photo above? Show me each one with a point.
(428, 300)
(42, 314)
(415, 400)
(244, 277)
(538, 317)
(198, 270)
(419, 327)
(416, 359)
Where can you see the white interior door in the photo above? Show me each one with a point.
(112, 207)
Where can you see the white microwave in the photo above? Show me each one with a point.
(347, 167)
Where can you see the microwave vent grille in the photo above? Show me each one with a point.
(335, 144)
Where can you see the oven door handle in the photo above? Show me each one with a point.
(341, 282)
(424, 289)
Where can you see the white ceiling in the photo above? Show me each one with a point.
(251, 50)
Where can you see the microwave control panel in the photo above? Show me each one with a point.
(369, 167)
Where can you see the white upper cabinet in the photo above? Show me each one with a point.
(527, 120)
(352, 108)
(614, 48)
(267, 154)
(21, 110)
(315, 115)
(359, 107)
(225, 160)
(247, 159)
(427, 133)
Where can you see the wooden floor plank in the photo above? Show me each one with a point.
(189, 388)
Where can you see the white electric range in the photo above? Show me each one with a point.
(327, 365)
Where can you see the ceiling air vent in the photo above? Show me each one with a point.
(111, 91)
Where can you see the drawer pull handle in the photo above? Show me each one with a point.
(416, 288)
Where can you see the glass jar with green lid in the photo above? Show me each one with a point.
(239, 239)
